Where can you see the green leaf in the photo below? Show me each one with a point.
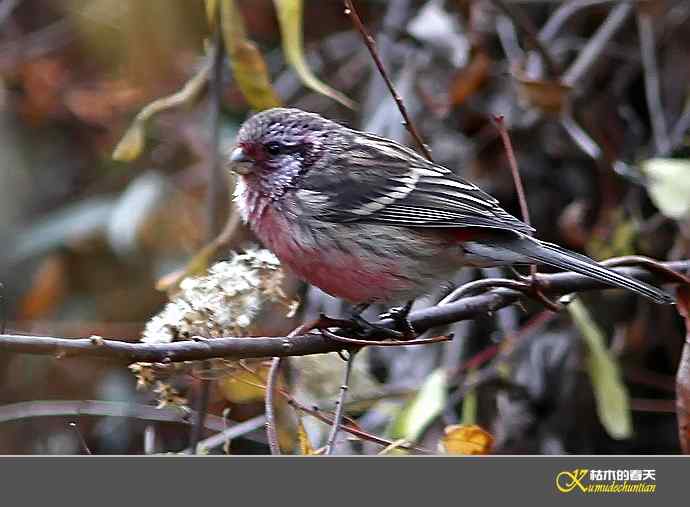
(469, 404)
(669, 185)
(248, 65)
(422, 409)
(613, 401)
(290, 19)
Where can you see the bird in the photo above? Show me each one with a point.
(369, 220)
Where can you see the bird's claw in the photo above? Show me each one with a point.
(399, 315)
(366, 329)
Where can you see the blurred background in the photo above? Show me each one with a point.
(594, 94)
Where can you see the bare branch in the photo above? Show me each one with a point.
(57, 408)
(310, 343)
(271, 429)
(371, 45)
(340, 404)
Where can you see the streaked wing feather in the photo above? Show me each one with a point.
(390, 184)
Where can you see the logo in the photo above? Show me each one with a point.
(588, 481)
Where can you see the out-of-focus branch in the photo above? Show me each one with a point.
(645, 28)
(525, 25)
(595, 47)
(62, 408)
(216, 192)
(310, 343)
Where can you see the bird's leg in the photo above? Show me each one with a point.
(399, 315)
(368, 329)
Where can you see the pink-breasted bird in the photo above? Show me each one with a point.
(370, 221)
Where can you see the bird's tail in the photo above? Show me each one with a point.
(553, 255)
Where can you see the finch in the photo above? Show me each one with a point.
(370, 221)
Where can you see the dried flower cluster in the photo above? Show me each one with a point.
(222, 303)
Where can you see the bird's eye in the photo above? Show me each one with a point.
(273, 148)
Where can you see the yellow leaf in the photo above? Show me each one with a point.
(305, 447)
(470, 403)
(243, 386)
(132, 143)
(461, 439)
(290, 19)
(248, 65)
(212, 12)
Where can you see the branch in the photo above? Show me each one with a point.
(214, 196)
(645, 27)
(57, 408)
(371, 45)
(525, 25)
(310, 343)
(340, 405)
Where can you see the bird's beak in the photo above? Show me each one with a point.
(240, 162)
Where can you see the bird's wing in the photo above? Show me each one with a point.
(387, 183)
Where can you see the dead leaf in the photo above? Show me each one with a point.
(290, 19)
(246, 385)
(463, 439)
(305, 447)
(683, 374)
(103, 102)
(248, 65)
(48, 288)
(550, 97)
(470, 79)
(132, 143)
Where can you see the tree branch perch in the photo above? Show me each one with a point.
(309, 343)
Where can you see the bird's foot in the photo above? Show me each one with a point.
(399, 315)
(367, 330)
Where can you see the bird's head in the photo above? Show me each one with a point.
(277, 146)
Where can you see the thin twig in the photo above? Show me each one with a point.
(681, 128)
(515, 171)
(385, 343)
(82, 441)
(649, 264)
(359, 433)
(3, 309)
(561, 15)
(340, 404)
(371, 45)
(271, 387)
(595, 47)
(525, 25)
(645, 29)
(234, 431)
(271, 428)
(482, 284)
